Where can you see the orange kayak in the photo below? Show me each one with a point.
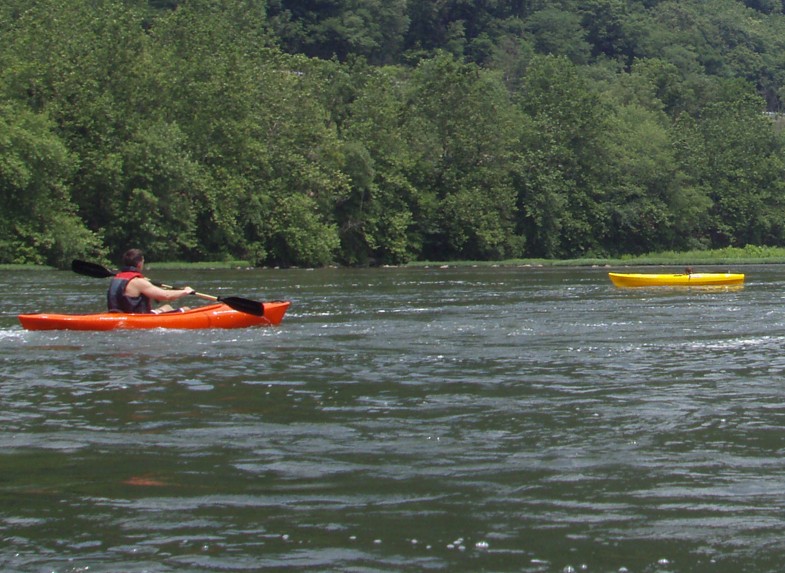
(211, 316)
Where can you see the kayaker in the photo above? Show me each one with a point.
(130, 291)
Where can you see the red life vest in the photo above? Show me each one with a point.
(118, 301)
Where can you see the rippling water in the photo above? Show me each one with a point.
(484, 419)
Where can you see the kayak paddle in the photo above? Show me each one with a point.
(237, 303)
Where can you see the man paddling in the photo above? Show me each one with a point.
(130, 291)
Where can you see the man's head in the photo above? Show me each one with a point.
(133, 258)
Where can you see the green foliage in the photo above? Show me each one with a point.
(561, 183)
(378, 214)
(559, 33)
(375, 132)
(464, 128)
(38, 223)
(156, 208)
(299, 236)
(643, 189)
(370, 28)
(742, 168)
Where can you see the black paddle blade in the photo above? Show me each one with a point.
(90, 269)
(245, 305)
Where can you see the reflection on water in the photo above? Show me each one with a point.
(507, 419)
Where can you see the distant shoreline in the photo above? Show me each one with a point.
(750, 255)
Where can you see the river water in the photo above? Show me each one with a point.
(430, 419)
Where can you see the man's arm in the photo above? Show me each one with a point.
(148, 289)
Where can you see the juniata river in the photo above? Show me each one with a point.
(434, 419)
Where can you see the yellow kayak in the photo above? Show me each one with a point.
(683, 279)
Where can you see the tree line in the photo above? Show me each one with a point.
(385, 131)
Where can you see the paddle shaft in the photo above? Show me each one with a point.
(197, 294)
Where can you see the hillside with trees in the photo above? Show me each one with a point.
(311, 132)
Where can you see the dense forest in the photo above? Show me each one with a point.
(310, 132)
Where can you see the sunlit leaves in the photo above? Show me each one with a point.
(38, 223)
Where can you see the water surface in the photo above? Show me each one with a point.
(461, 419)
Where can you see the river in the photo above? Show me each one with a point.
(404, 419)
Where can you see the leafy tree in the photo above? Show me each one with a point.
(381, 131)
(38, 222)
(679, 35)
(326, 28)
(299, 234)
(156, 209)
(273, 139)
(605, 24)
(643, 190)
(740, 165)
(202, 72)
(377, 217)
(463, 127)
(655, 85)
(81, 62)
(559, 33)
(560, 196)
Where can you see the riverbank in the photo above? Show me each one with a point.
(749, 255)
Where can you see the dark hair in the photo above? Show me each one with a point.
(132, 257)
